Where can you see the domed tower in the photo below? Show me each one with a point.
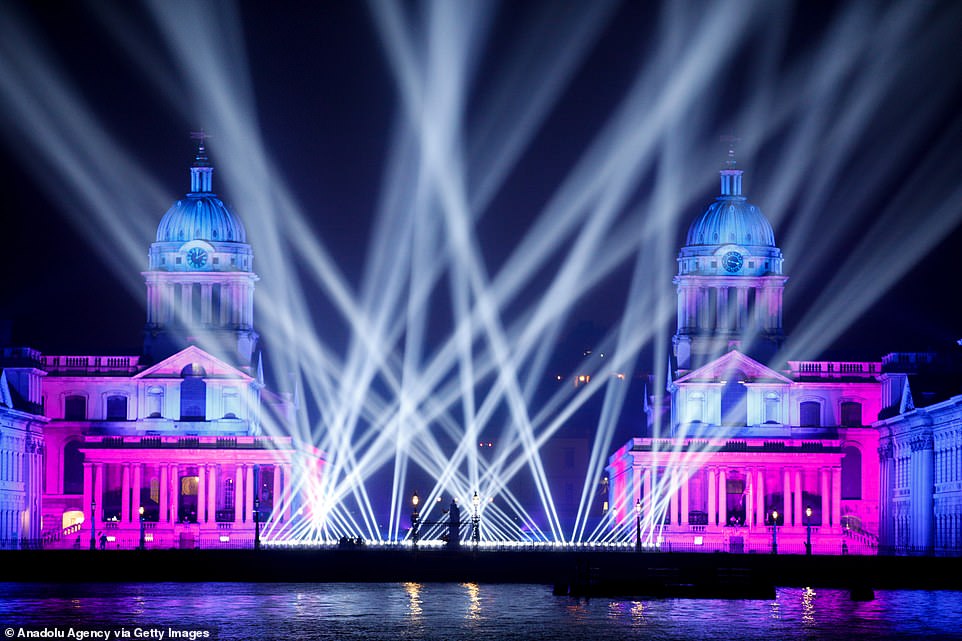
(200, 280)
(729, 281)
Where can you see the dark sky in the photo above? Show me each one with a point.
(326, 102)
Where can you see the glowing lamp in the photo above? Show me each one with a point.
(808, 511)
(774, 515)
(415, 500)
(638, 507)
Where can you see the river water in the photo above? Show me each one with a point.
(448, 611)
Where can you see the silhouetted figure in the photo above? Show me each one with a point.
(454, 525)
(103, 541)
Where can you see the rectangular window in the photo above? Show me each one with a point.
(117, 408)
(75, 408)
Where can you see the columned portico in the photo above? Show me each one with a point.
(182, 472)
(737, 494)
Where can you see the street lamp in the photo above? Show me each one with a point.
(143, 539)
(257, 508)
(415, 518)
(808, 529)
(93, 524)
(638, 525)
(774, 531)
(476, 519)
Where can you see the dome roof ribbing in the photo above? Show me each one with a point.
(731, 219)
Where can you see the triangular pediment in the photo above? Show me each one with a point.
(721, 369)
(212, 367)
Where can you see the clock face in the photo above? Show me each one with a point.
(196, 257)
(733, 262)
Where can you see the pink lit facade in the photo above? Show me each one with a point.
(744, 446)
(184, 446)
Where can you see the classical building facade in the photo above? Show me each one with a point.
(21, 447)
(749, 454)
(920, 450)
(182, 446)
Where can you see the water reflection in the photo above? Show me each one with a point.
(415, 611)
(808, 607)
(474, 601)
(439, 611)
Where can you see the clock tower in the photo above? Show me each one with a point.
(729, 281)
(200, 279)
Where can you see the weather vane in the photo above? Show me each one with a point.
(731, 140)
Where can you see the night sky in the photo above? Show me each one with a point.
(326, 102)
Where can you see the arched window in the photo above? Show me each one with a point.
(851, 473)
(810, 414)
(75, 408)
(73, 468)
(193, 394)
(771, 408)
(231, 402)
(734, 403)
(155, 402)
(851, 414)
(116, 408)
(696, 407)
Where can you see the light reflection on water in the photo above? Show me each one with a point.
(460, 611)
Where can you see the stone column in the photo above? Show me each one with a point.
(712, 492)
(238, 493)
(175, 493)
(125, 493)
(799, 489)
(749, 499)
(647, 503)
(760, 500)
(288, 492)
(135, 502)
(99, 494)
(277, 497)
(787, 495)
(249, 494)
(212, 494)
(164, 491)
(684, 496)
(201, 494)
(826, 515)
(205, 303)
(722, 498)
(88, 491)
(836, 496)
(673, 497)
(186, 303)
(887, 477)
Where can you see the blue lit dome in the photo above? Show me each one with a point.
(731, 219)
(201, 215)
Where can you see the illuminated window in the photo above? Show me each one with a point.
(155, 490)
(188, 485)
(229, 494)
